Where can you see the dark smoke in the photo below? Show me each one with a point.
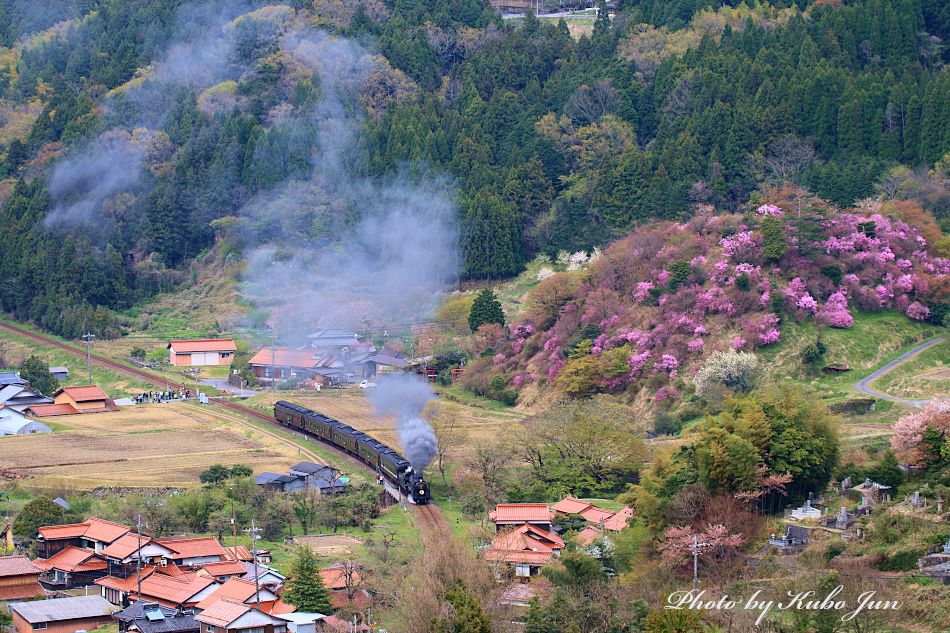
(405, 396)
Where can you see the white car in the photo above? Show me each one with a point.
(368, 385)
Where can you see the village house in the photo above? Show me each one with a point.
(344, 583)
(201, 352)
(19, 579)
(509, 515)
(598, 520)
(281, 363)
(61, 615)
(85, 399)
(148, 617)
(19, 396)
(304, 475)
(192, 552)
(10, 378)
(186, 589)
(266, 576)
(60, 372)
(334, 340)
(244, 592)
(222, 571)
(12, 422)
(94, 533)
(238, 553)
(523, 551)
(72, 567)
(230, 616)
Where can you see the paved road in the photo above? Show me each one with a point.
(864, 385)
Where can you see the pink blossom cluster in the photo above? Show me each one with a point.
(882, 264)
(769, 209)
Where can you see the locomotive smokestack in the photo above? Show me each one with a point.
(405, 397)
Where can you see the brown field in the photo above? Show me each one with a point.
(331, 545)
(147, 446)
(352, 407)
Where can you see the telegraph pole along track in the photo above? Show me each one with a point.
(431, 519)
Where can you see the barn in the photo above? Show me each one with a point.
(201, 352)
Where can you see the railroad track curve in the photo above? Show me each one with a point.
(429, 515)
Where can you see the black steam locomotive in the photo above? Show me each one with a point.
(383, 459)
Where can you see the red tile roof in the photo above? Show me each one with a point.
(125, 546)
(335, 578)
(49, 410)
(57, 532)
(282, 607)
(175, 590)
(521, 513)
(524, 544)
(194, 547)
(236, 589)
(588, 535)
(225, 568)
(594, 514)
(525, 556)
(72, 559)
(126, 585)
(105, 531)
(222, 613)
(17, 566)
(21, 591)
(238, 553)
(203, 345)
(283, 357)
(570, 505)
(86, 393)
(619, 520)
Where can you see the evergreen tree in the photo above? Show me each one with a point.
(485, 309)
(305, 589)
(467, 616)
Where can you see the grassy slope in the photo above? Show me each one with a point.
(875, 339)
(925, 376)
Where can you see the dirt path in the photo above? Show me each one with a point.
(864, 385)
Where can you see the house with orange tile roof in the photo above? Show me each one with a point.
(194, 552)
(523, 550)
(71, 567)
(119, 589)
(231, 616)
(222, 570)
(508, 515)
(183, 590)
(598, 519)
(201, 352)
(243, 591)
(19, 579)
(84, 399)
(283, 363)
(95, 534)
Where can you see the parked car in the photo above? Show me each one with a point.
(368, 385)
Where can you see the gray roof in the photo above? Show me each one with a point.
(386, 357)
(149, 617)
(266, 478)
(21, 395)
(333, 338)
(59, 369)
(60, 609)
(18, 425)
(62, 503)
(310, 468)
(10, 378)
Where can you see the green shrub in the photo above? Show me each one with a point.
(899, 560)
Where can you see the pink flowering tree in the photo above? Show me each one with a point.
(922, 439)
(835, 311)
(676, 548)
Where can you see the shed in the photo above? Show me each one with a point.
(62, 615)
(201, 352)
(60, 372)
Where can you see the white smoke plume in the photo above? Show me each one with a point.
(405, 396)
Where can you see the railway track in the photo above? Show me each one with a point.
(429, 516)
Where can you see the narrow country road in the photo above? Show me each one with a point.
(864, 385)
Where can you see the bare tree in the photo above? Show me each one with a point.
(448, 433)
(488, 460)
(445, 45)
(589, 103)
(679, 102)
(788, 155)
(352, 577)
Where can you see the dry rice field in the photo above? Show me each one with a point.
(352, 407)
(144, 446)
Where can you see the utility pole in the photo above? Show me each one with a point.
(138, 565)
(234, 523)
(257, 577)
(88, 338)
(696, 548)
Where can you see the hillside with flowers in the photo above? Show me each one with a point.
(645, 314)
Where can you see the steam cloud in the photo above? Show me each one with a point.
(405, 396)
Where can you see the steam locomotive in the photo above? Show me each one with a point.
(386, 461)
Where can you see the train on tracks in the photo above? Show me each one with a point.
(386, 461)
